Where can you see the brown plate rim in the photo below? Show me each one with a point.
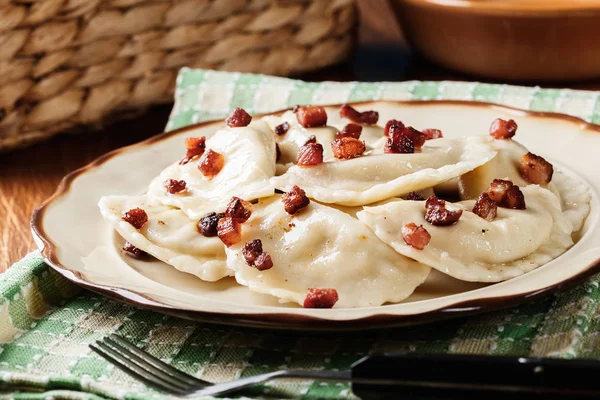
(288, 321)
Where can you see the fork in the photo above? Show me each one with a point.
(387, 375)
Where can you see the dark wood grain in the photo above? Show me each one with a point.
(29, 176)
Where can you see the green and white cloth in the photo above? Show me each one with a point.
(46, 323)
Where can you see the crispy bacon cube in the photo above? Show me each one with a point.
(310, 154)
(432, 133)
(535, 169)
(437, 214)
(497, 190)
(294, 200)
(239, 209)
(238, 118)
(251, 251)
(174, 186)
(133, 251)
(485, 207)
(229, 231)
(136, 217)
(350, 130)
(311, 116)
(503, 129)
(399, 145)
(211, 164)
(282, 128)
(345, 148)
(505, 194)
(365, 117)
(208, 224)
(514, 198)
(398, 125)
(321, 298)
(415, 235)
(263, 261)
(195, 147)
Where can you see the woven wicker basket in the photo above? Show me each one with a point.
(71, 63)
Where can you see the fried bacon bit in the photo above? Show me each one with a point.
(345, 148)
(294, 200)
(503, 129)
(136, 217)
(437, 214)
(414, 196)
(239, 209)
(497, 190)
(321, 298)
(211, 164)
(281, 129)
(263, 261)
(208, 224)
(311, 139)
(277, 152)
(350, 130)
(255, 256)
(229, 231)
(399, 145)
(365, 117)
(173, 186)
(392, 122)
(432, 133)
(535, 169)
(195, 148)
(310, 154)
(506, 194)
(133, 251)
(485, 207)
(238, 118)
(514, 198)
(251, 251)
(311, 116)
(415, 235)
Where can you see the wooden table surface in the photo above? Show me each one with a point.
(29, 176)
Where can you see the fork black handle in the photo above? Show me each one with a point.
(445, 376)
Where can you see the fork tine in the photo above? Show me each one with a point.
(142, 355)
(135, 371)
(141, 362)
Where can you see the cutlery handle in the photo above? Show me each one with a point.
(385, 376)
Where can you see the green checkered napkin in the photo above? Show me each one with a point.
(46, 323)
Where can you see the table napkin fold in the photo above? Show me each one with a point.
(46, 322)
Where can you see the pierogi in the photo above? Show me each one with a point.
(375, 177)
(170, 235)
(249, 154)
(322, 247)
(475, 249)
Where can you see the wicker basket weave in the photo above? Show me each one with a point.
(71, 63)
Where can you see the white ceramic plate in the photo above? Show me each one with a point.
(76, 241)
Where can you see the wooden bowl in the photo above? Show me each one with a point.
(520, 40)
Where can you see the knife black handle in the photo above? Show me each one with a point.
(445, 376)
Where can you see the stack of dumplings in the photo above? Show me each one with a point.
(344, 210)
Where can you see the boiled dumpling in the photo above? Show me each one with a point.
(474, 249)
(169, 235)
(322, 247)
(249, 154)
(573, 193)
(376, 177)
(296, 136)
